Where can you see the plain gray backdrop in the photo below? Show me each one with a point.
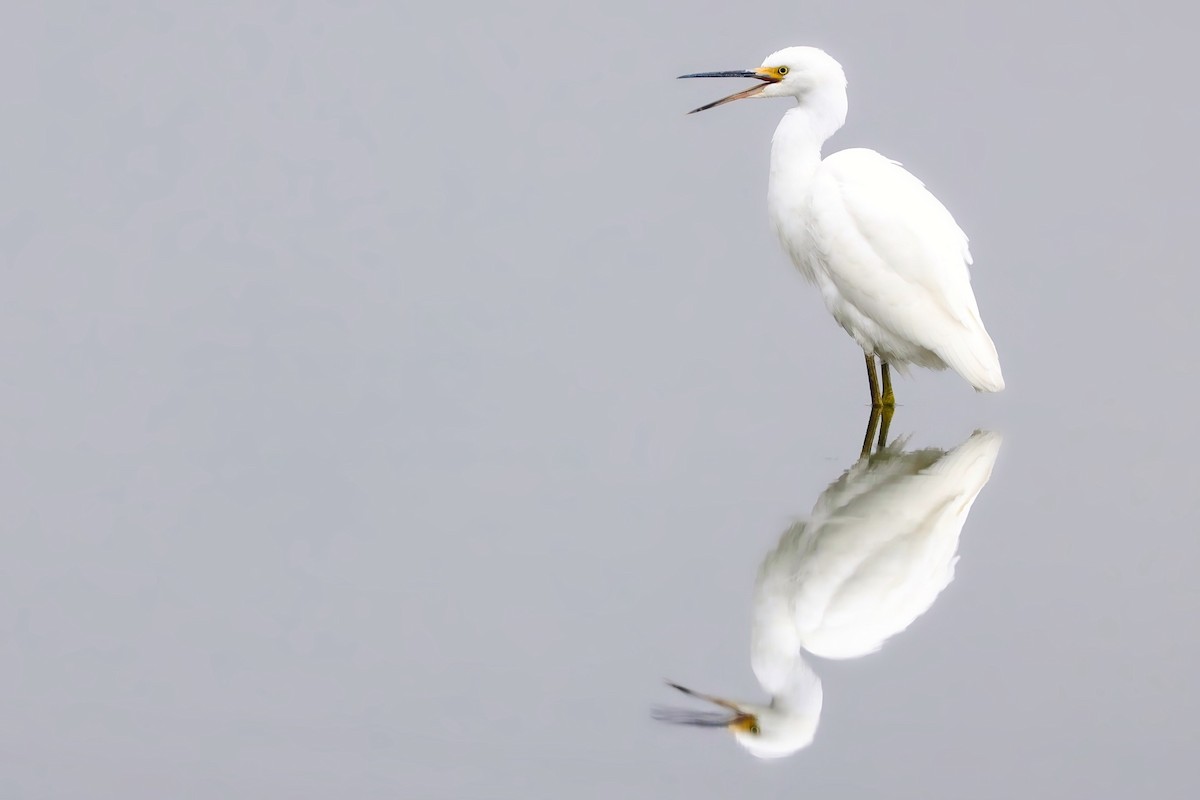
(395, 393)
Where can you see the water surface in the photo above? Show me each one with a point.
(396, 396)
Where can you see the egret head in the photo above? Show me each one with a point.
(805, 73)
(766, 732)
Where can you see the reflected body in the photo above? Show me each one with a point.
(889, 259)
(879, 547)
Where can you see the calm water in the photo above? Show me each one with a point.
(395, 397)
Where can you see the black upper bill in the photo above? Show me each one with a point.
(730, 73)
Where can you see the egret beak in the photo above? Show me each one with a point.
(764, 74)
(733, 717)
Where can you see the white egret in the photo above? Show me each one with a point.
(879, 547)
(889, 259)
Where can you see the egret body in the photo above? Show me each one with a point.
(888, 258)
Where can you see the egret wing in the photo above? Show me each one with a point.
(895, 254)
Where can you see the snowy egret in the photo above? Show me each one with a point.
(877, 550)
(889, 259)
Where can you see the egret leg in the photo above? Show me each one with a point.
(889, 399)
(869, 439)
(876, 400)
(885, 421)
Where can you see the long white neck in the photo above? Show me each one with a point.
(796, 145)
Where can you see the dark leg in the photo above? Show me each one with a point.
(869, 439)
(876, 401)
(889, 399)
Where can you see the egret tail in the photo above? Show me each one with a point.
(974, 357)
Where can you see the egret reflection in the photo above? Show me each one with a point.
(878, 548)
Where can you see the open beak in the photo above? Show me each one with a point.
(732, 717)
(767, 76)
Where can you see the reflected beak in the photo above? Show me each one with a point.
(767, 76)
(732, 717)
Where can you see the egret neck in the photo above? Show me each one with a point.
(796, 146)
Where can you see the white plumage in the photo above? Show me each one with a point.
(879, 547)
(889, 259)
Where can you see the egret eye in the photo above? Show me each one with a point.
(782, 70)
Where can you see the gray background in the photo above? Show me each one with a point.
(395, 394)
